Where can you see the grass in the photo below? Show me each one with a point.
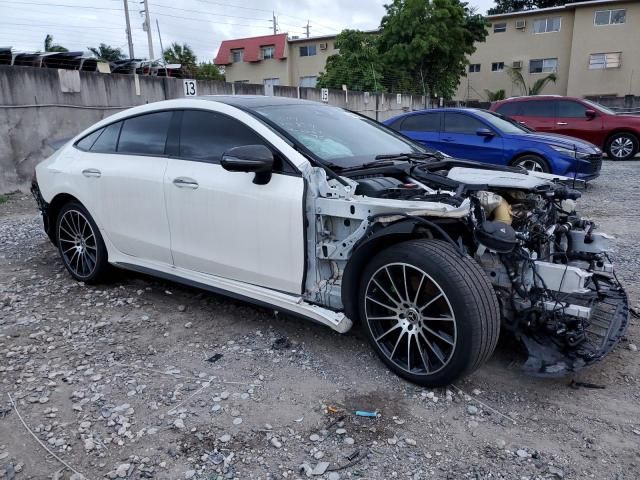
(3, 199)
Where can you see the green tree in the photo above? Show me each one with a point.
(183, 55)
(107, 53)
(496, 95)
(49, 46)
(358, 65)
(525, 89)
(426, 43)
(208, 71)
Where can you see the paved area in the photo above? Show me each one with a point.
(140, 378)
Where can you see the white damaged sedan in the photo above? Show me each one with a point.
(330, 216)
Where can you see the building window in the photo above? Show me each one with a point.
(543, 65)
(546, 25)
(308, 51)
(610, 17)
(308, 81)
(474, 68)
(271, 81)
(268, 52)
(499, 27)
(241, 81)
(497, 66)
(600, 61)
(237, 56)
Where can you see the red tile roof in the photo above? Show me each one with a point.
(251, 48)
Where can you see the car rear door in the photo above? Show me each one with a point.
(572, 120)
(423, 128)
(460, 139)
(537, 114)
(123, 176)
(221, 222)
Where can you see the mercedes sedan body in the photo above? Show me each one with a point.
(316, 211)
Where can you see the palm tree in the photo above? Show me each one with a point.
(107, 53)
(495, 96)
(49, 46)
(536, 89)
(183, 55)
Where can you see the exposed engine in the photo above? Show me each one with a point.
(550, 269)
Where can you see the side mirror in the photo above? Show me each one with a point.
(250, 158)
(590, 114)
(485, 132)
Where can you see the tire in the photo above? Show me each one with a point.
(532, 162)
(434, 282)
(622, 146)
(80, 244)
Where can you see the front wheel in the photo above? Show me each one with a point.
(80, 244)
(533, 163)
(622, 146)
(429, 312)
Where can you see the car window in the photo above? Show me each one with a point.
(569, 109)
(87, 142)
(461, 123)
(145, 134)
(108, 140)
(424, 122)
(205, 136)
(538, 108)
(509, 109)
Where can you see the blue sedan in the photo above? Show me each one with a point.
(483, 136)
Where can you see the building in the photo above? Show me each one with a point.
(592, 46)
(275, 59)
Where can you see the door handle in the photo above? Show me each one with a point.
(562, 123)
(522, 123)
(185, 182)
(91, 172)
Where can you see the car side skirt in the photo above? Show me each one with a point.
(264, 297)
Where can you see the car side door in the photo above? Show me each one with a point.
(224, 224)
(422, 127)
(539, 115)
(576, 120)
(122, 173)
(467, 137)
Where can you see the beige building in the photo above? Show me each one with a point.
(275, 59)
(592, 46)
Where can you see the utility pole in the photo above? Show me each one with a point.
(160, 38)
(147, 25)
(129, 39)
(275, 22)
(307, 28)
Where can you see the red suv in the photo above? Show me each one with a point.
(617, 134)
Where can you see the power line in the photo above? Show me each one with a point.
(63, 5)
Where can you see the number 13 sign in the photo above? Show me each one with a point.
(190, 88)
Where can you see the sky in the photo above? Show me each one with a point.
(202, 24)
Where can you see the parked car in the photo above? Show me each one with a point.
(488, 137)
(616, 134)
(316, 211)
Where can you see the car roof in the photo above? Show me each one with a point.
(255, 101)
(537, 97)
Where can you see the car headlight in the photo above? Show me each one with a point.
(570, 152)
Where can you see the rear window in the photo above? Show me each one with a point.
(87, 142)
(425, 122)
(537, 108)
(509, 109)
(145, 134)
(108, 140)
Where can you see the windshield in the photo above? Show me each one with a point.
(597, 106)
(502, 123)
(338, 137)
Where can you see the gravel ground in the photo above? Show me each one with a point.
(140, 378)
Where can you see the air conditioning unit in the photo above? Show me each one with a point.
(517, 64)
(521, 24)
(324, 46)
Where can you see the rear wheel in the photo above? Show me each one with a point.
(622, 146)
(80, 244)
(429, 313)
(533, 163)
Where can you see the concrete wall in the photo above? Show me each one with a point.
(36, 114)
